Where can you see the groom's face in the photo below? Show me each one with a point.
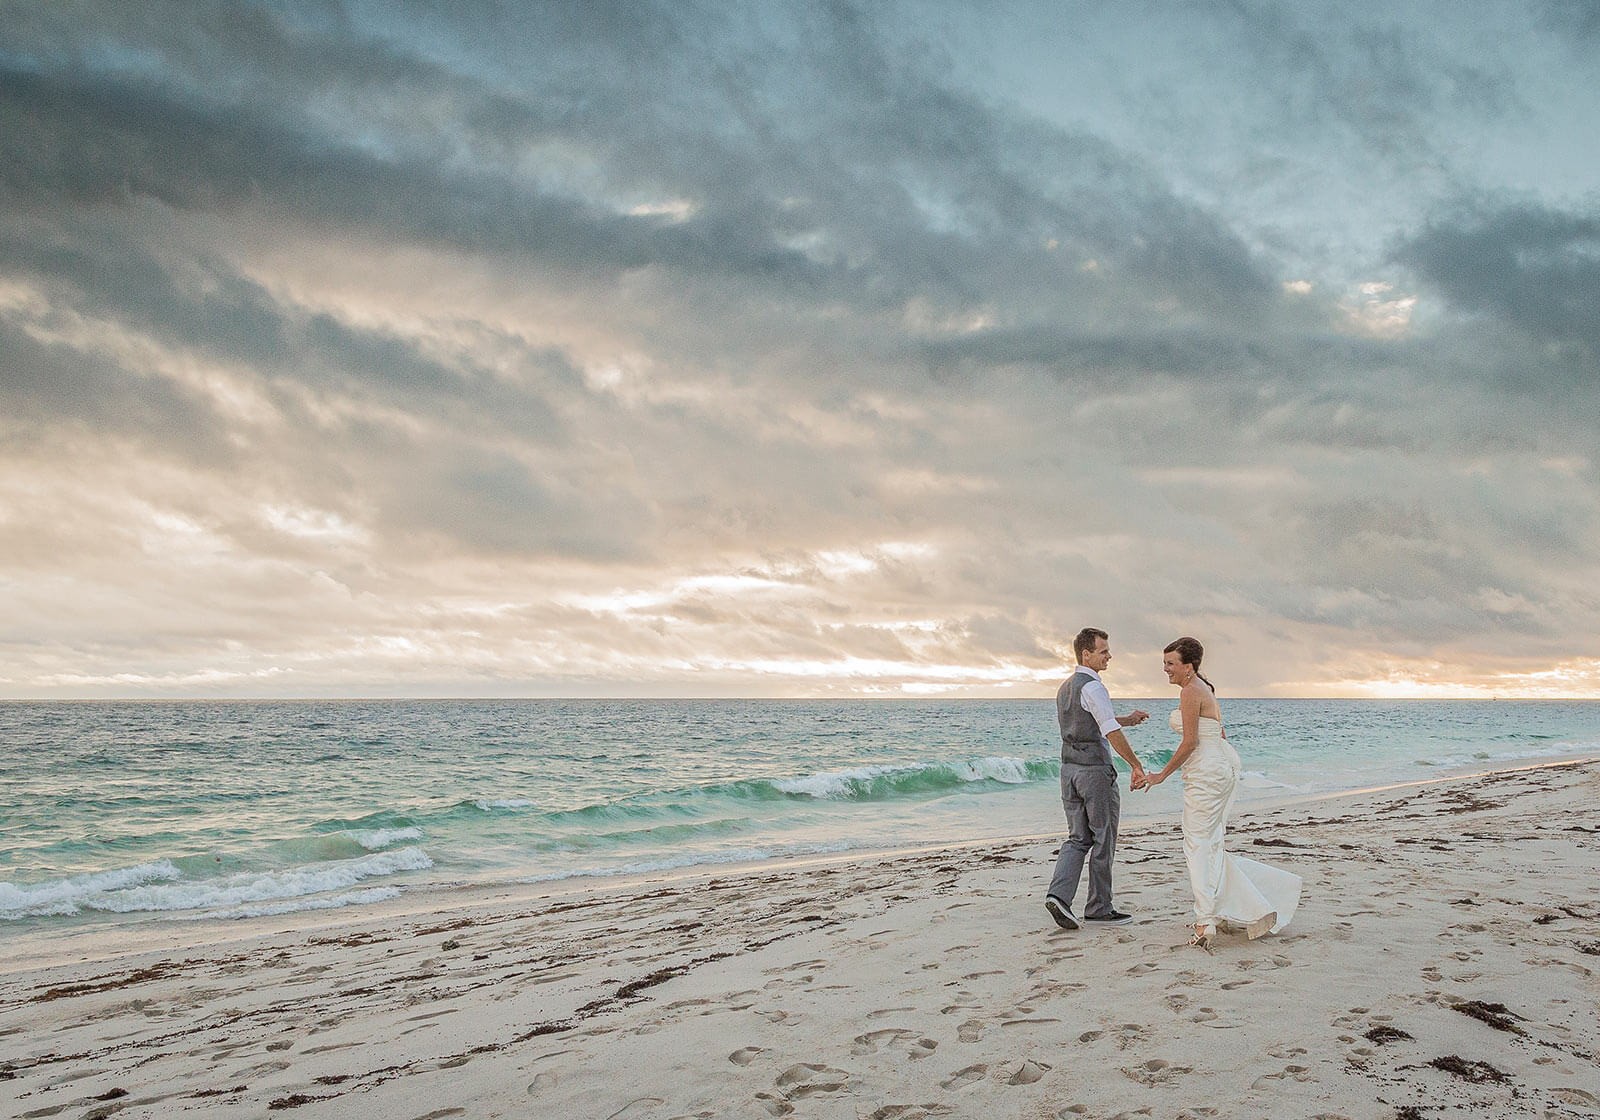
(1099, 657)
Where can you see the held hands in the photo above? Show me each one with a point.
(1143, 779)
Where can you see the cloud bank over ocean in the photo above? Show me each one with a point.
(632, 349)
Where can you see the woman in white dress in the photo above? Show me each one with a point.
(1227, 888)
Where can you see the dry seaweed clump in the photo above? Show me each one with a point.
(1496, 1015)
(1475, 1072)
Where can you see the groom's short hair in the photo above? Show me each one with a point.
(1085, 640)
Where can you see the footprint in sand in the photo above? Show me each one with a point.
(1232, 984)
(877, 1040)
(964, 1077)
(1297, 1072)
(679, 1004)
(809, 1080)
(1154, 1072)
(1204, 1015)
(1028, 1073)
(774, 1106)
(745, 1055)
(1140, 969)
(1576, 1097)
(970, 1031)
(1089, 1036)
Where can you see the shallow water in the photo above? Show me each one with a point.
(183, 810)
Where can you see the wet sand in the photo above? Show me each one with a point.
(1444, 962)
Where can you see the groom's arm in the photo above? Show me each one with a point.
(1119, 743)
(1097, 702)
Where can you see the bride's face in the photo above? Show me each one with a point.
(1174, 666)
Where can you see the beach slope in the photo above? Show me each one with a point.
(1443, 962)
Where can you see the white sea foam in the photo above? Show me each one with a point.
(1479, 758)
(130, 894)
(835, 785)
(1012, 771)
(1255, 779)
(66, 896)
(840, 785)
(488, 805)
(290, 906)
(376, 838)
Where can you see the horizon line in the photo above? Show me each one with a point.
(766, 699)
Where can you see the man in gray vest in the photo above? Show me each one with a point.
(1090, 731)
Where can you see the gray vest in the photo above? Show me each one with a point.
(1081, 741)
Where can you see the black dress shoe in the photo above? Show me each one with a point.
(1061, 912)
(1109, 918)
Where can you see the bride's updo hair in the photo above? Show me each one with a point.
(1190, 651)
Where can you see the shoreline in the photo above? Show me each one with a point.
(1426, 967)
(113, 941)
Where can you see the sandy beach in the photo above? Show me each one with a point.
(1443, 963)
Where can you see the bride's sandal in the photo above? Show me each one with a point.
(1202, 940)
(1261, 925)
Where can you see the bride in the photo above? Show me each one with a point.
(1227, 888)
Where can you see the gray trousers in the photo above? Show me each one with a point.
(1090, 796)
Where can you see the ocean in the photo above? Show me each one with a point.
(119, 813)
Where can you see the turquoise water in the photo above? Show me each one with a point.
(170, 811)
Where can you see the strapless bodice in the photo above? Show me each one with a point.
(1208, 728)
(1211, 750)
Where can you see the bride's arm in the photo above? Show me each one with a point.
(1189, 711)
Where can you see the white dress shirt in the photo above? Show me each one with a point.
(1097, 702)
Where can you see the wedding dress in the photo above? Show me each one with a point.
(1227, 888)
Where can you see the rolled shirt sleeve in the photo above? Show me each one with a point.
(1097, 702)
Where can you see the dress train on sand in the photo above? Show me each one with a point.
(1227, 888)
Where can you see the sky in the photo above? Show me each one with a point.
(798, 349)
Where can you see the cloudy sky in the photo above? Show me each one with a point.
(807, 348)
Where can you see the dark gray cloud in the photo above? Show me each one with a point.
(1579, 18)
(48, 384)
(899, 185)
(1528, 267)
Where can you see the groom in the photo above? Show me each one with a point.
(1090, 730)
